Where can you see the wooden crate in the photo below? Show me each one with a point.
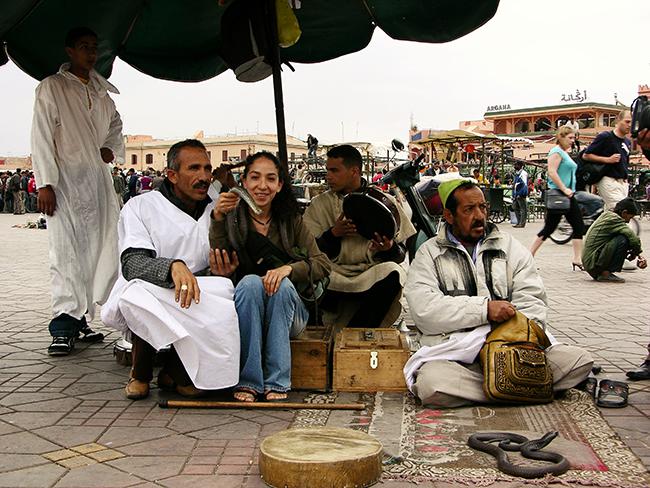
(311, 359)
(369, 360)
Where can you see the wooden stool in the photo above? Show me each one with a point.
(320, 458)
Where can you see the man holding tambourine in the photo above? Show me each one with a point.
(362, 231)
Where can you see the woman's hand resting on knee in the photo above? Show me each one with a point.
(273, 278)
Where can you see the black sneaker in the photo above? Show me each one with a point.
(86, 334)
(641, 373)
(61, 346)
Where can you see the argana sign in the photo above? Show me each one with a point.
(496, 108)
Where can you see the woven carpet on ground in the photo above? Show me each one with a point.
(424, 444)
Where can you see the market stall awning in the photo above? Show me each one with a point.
(457, 135)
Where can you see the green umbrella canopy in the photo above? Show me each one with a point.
(180, 39)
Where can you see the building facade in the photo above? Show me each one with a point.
(591, 117)
(11, 163)
(143, 151)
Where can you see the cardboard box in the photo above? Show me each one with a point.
(369, 360)
(311, 359)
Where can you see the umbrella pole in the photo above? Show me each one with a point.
(277, 85)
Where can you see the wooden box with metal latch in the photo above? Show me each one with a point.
(370, 360)
(311, 359)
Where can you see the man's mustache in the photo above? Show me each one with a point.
(201, 184)
(478, 223)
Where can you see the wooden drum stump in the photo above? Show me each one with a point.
(320, 458)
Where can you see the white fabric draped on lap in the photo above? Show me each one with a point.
(202, 334)
(460, 346)
(205, 335)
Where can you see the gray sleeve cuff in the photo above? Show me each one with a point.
(143, 264)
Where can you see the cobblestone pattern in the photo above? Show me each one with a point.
(64, 422)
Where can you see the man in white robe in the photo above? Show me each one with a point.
(77, 130)
(165, 294)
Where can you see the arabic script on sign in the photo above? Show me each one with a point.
(578, 96)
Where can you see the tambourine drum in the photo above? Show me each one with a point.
(122, 352)
(123, 349)
(372, 211)
(323, 457)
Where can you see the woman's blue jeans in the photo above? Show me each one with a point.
(266, 323)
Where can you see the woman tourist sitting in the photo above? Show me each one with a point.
(562, 176)
(269, 256)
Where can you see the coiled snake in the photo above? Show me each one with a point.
(482, 441)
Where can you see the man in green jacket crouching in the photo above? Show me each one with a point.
(609, 241)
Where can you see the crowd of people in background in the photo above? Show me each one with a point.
(18, 192)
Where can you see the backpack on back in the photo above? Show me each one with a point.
(588, 173)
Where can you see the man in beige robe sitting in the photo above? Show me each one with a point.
(366, 279)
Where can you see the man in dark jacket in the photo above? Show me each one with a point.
(14, 188)
(609, 241)
(132, 182)
(520, 194)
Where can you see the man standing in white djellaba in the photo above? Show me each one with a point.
(77, 130)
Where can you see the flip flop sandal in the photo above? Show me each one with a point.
(612, 394)
(251, 395)
(589, 387)
(268, 393)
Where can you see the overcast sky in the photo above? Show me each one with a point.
(529, 54)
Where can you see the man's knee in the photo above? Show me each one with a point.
(439, 384)
(621, 242)
(570, 365)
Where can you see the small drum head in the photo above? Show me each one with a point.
(371, 211)
(323, 457)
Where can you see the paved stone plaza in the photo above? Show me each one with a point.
(64, 422)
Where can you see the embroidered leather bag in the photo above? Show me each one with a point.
(514, 363)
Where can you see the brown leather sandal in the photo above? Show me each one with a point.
(276, 396)
(245, 395)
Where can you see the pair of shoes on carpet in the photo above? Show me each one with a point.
(607, 393)
(641, 373)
